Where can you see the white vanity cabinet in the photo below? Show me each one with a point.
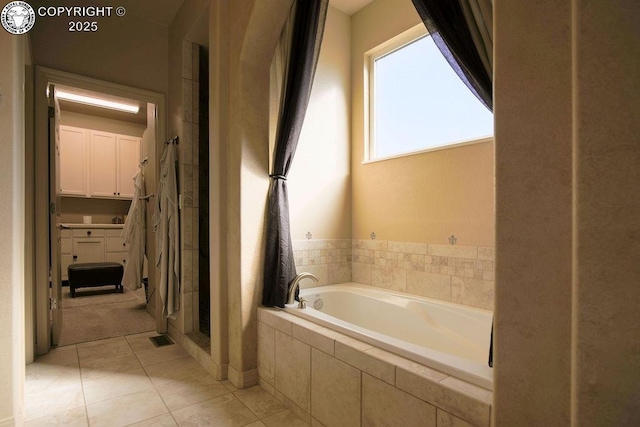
(82, 243)
(65, 252)
(97, 164)
(88, 245)
(117, 249)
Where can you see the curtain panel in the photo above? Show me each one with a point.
(463, 31)
(301, 39)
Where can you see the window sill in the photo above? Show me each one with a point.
(428, 150)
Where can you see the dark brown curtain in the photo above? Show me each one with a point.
(463, 31)
(305, 39)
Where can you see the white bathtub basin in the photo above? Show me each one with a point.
(448, 337)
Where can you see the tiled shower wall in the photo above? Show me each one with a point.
(455, 273)
(188, 188)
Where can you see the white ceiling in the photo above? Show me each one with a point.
(162, 12)
(349, 6)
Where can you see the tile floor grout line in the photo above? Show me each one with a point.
(152, 383)
(279, 412)
(232, 393)
(235, 394)
(84, 398)
(170, 412)
(244, 404)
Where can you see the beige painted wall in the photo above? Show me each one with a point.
(149, 151)
(218, 122)
(532, 105)
(254, 29)
(425, 197)
(102, 210)
(567, 162)
(29, 211)
(320, 179)
(85, 121)
(128, 50)
(606, 185)
(12, 229)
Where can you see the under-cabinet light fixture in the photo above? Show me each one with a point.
(97, 102)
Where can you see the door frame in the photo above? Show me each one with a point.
(45, 76)
(55, 215)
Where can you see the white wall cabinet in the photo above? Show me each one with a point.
(98, 164)
(128, 161)
(73, 161)
(103, 164)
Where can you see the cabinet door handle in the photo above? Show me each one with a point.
(75, 257)
(124, 244)
(88, 233)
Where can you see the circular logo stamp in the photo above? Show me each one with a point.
(17, 17)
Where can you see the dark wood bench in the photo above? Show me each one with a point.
(95, 274)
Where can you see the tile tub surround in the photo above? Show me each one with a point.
(454, 273)
(327, 378)
(329, 260)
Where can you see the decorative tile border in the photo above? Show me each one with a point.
(329, 260)
(455, 273)
(311, 252)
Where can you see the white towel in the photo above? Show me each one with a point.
(166, 227)
(134, 235)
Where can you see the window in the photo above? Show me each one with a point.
(417, 102)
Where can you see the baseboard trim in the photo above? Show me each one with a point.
(151, 310)
(219, 372)
(12, 422)
(242, 379)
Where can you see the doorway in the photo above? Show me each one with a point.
(89, 162)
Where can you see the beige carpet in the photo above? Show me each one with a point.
(98, 313)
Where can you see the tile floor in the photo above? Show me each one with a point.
(128, 381)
